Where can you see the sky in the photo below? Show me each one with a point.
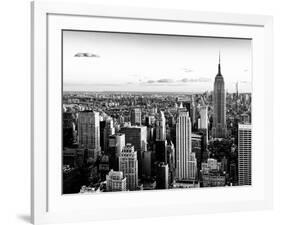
(158, 63)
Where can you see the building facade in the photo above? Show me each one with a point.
(204, 121)
(137, 136)
(244, 154)
(183, 145)
(89, 132)
(128, 164)
(162, 181)
(161, 127)
(115, 181)
(136, 116)
(212, 174)
(108, 131)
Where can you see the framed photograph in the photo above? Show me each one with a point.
(140, 112)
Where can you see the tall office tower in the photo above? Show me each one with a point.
(128, 164)
(137, 136)
(192, 167)
(108, 130)
(244, 154)
(188, 104)
(116, 143)
(102, 126)
(89, 132)
(219, 121)
(136, 116)
(160, 138)
(115, 181)
(69, 133)
(203, 117)
(160, 151)
(147, 164)
(162, 177)
(171, 160)
(161, 127)
(198, 146)
(204, 123)
(183, 145)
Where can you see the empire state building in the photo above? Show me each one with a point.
(219, 121)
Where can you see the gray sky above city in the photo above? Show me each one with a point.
(98, 61)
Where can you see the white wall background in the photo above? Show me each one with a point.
(15, 109)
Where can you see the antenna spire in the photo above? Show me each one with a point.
(219, 66)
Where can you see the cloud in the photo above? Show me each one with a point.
(190, 80)
(86, 54)
(160, 81)
(164, 80)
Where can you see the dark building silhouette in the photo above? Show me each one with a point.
(219, 123)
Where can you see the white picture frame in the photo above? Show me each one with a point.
(48, 19)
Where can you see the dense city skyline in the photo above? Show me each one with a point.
(137, 141)
(145, 62)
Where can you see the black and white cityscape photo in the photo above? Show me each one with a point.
(148, 112)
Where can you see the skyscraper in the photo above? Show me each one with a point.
(162, 177)
(147, 164)
(136, 116)
(219, 121)
(89, 132)
(187, 102)
(128, 164)
(108, 130)
(192, 166)
(116, 143)
(161, 127)
(170, 149)
(183, 145)
(137, 136)
(69, 134)
(203, 117)
(244, 154)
